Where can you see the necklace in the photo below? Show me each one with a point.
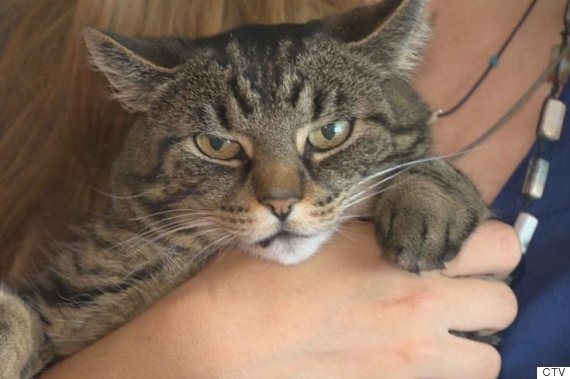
(548, 130)
(493, 63)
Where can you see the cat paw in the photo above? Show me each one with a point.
(424, 227)
(16, 342)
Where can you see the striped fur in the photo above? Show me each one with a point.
(174, 207)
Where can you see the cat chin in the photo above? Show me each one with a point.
(289, 251)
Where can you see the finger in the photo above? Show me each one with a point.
(493, 249)
(477, 304)
(465, 359)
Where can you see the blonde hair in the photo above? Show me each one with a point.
(58, 131)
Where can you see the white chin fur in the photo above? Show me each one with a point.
(290, 251)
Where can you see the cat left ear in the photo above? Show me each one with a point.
(135, 67)
(391, 32)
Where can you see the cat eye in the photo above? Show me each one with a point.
(331, 135)
(218, 147)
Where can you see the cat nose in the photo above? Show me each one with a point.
(281, 207)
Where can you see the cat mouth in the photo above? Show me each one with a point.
(282, 235)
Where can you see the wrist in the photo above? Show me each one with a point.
(167, 340)
(210, 320)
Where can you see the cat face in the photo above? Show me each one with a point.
(265, 137)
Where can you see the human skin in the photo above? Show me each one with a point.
(465, 35)
(346, 313)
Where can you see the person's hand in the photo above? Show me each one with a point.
(345, 313)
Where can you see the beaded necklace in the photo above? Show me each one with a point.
(548, 130)
(493, 63)
(549, 127)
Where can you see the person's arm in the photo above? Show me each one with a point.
(346, 313)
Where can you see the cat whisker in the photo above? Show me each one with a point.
(411, 163)
(353, 217)
(205, 232)
(374, 194)
(366, 190)
(221, 256)
(193, 225)
(339, 229)
(191, 212)
(357, 198)
(365, 194)
(151, 232)
(221, 242)
(175, 230)
(209, 231)
(118, 197)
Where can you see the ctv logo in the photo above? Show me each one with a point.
(552, 372)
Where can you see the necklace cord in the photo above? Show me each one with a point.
(493, 62)
(517, 105)
(554, 94)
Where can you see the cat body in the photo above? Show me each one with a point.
(264, 138)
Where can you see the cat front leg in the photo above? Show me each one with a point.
(425, 215)
(23, 352)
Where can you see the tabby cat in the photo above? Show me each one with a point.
(265, 138)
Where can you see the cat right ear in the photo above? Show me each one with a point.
(390, 32)
(136, 68)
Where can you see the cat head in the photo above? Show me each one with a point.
(265, 136)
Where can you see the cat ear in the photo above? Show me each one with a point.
(392, 32)
(135, 67)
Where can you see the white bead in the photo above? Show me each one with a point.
(535, 180)
(435, 116)
(552, 120)
(525, 226)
